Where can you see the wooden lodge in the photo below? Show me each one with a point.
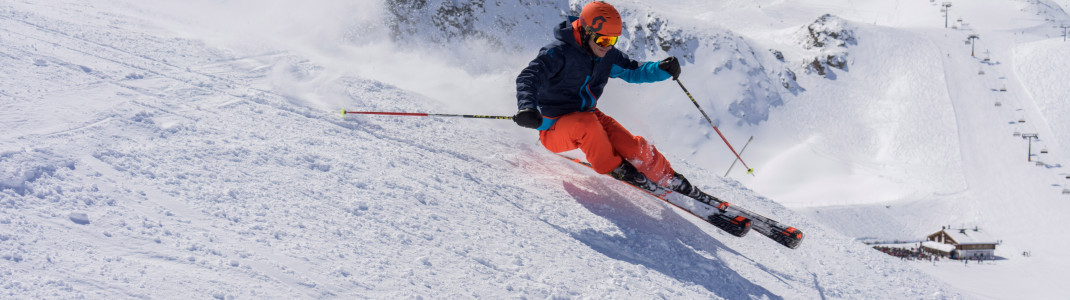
(961, 244)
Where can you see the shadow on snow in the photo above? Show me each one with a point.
(666, 243)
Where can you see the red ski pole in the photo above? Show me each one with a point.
(749, 169)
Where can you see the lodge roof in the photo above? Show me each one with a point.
(969, 236)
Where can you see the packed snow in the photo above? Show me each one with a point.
(157, 149)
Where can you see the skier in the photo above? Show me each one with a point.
(558, 93)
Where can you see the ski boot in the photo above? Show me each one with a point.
(628, 173)
(680, 185)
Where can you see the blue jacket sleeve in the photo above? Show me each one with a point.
(631, 71)
(647, 72)
(535, 75)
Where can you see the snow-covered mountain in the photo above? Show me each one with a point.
(155, 149)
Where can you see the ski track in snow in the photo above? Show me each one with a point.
(138, 162)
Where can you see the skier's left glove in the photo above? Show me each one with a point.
(528, 118)
(672, 66)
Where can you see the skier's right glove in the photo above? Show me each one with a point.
(528, 118)
(671, 65)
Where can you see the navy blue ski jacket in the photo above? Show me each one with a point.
(564, 78)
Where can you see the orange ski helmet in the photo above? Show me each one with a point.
(601, 18)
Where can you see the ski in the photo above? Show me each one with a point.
(732, 219)
(785, 235)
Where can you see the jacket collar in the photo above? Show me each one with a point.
(567, 33)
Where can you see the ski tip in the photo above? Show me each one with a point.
(790, 237)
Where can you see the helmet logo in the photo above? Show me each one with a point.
(599, 21)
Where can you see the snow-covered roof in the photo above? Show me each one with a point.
(970, 236)
(938, 246)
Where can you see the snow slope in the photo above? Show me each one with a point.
(195, 150)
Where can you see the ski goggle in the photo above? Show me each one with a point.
(605, 40)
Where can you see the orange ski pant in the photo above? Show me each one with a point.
(605, 142)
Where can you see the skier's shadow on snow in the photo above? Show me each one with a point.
(662, 240)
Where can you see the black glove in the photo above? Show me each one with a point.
(672, 66)
(528, 118)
